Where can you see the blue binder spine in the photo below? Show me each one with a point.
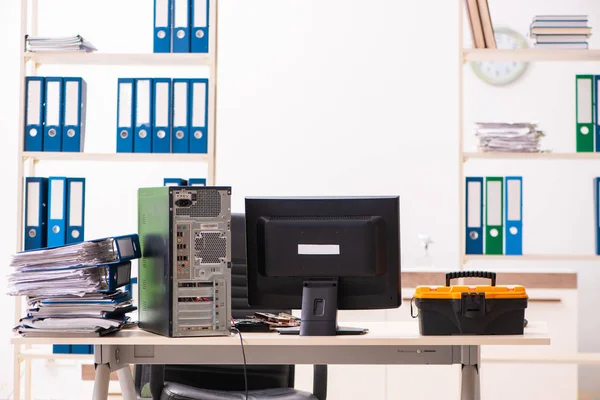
(75, 93)
(597, 213)
(127, 247)
(75, 210)
(61, 348)
(125, 120)
(474, 215)
(142, 143)
(181, 99)
(34, 113)
(162, 26)
(161, 126)
(197, 182)
(513, 215)
(118, 275)
(80, 349)
(36, 199)
(174, 182)
(54, 103)
(198, 116)
(200, 25)
(181, 26)
(57, 196)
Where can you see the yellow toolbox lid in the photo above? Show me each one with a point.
(456, 291)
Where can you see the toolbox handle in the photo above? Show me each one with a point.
(471, 274)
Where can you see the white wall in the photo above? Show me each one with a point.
(325, 98)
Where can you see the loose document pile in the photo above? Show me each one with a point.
(48, 44)
(508, 137)
(75, 290)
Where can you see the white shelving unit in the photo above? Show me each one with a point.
(27, 161)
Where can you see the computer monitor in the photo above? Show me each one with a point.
(321, 255)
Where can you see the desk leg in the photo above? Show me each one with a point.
(470, 384)
(101, 382)
(126, 382)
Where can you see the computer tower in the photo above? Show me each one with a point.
(185, 269)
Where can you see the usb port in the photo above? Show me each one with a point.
(184, 258)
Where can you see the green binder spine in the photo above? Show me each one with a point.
(494, 206)
(584, 87)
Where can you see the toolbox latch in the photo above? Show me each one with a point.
(472, 305)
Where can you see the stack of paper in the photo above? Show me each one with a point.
(508, 137)
(48, 44)
(561, 31)
(74, 290)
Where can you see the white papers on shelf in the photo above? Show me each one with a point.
(508, 137)
(49, 44)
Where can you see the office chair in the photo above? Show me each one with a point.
(226, 382)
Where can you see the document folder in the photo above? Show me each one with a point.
(181, 26)
(174, 182)
(197, 182)
(75, 210)
(53, 116)
(34, 113)
(200, 23)
(493, 216)
(161, 128)
(585, 113)
(125, 102)
(597, 213)
(162, 26)
(199, 115)
(36, 199)
(143, 116)
(514, 215)
(57, 199)
(474, 213)
(181, 143)
(596, 106)
(75, 92)
(61, 348)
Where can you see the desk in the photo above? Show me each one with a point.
(395, 343)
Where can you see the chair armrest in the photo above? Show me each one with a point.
(320, 382)
(157, 380)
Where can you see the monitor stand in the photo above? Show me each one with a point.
(319, 311)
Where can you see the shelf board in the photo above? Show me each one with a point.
(114, 157)
(530, 55)
(531, 156)
(148, 59)
(41, 354)
(534, 257)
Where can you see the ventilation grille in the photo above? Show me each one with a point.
(208, 205)
(210, 247)
(313, 218)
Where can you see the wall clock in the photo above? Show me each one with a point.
(500, 73)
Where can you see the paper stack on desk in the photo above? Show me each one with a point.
(75, 290)
(508, 137)
(49, 44)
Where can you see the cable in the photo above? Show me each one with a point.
(236, 330)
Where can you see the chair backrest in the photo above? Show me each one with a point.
(231, 377)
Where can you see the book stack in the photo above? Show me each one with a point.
(561, 31)
(508, 137)
(75, 290)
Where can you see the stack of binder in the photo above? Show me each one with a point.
(162, 115)
(503, 210)
(49, 44)
(181, 26)
(74, 290)
(184, 182)
(55, 113)
(521, 137)
(586, 113)
(560, 31)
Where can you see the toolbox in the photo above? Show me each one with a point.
(470, 310)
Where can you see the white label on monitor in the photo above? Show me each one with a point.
(162, 13)
(72, 103)
(513, 188)
(34, 102)
(584, 101)
(199, 107)
(161, 108)
(319, 249)
(76, 204)
(474, 202)
(181, 13)
(200, 15)
(53, 104)
(57, 199)
(33, 204)
(125, 98)
(180, 104)
(494, 206)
